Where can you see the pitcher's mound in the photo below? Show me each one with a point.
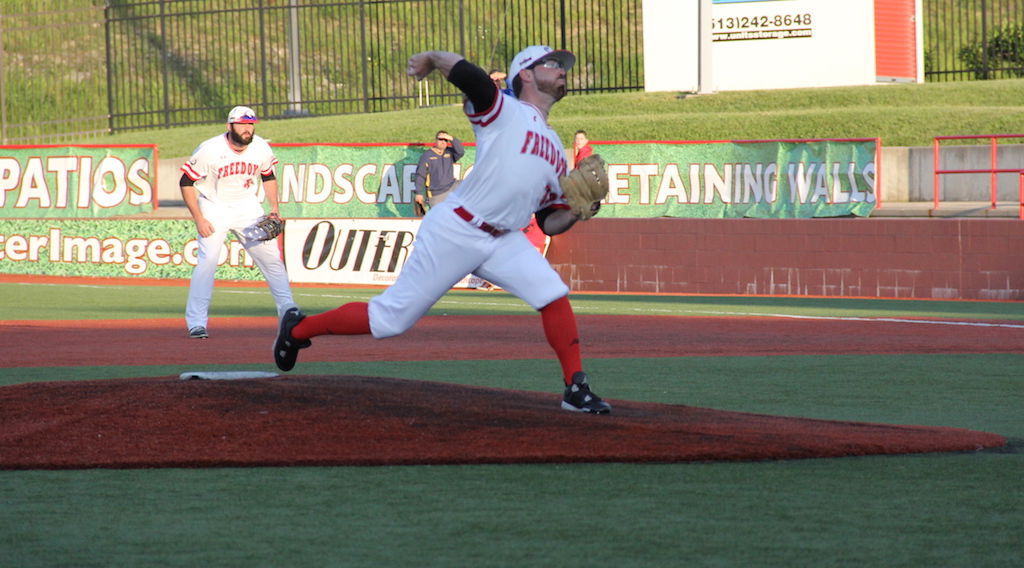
(349, 420)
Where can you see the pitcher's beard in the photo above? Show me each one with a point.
(555, 91)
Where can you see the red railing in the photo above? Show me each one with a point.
(1020, 195)
(992, 171)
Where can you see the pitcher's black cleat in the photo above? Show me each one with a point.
(198, 332)
(286, 347)
(578, 397)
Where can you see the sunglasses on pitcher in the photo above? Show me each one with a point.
(550, 64)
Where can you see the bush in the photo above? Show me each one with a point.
(1003, 52)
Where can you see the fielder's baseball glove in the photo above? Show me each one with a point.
(268, 227)
(586, 186)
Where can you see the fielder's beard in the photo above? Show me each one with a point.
(239, 139)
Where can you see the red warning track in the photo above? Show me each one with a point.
(249, 340)
(346, 420)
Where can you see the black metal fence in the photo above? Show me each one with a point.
(189, 61)
(973, 39)
(73, 69)
(52, 71)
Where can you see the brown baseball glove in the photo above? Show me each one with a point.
(268, 227)
(586, 186)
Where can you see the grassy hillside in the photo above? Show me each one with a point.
(43, 39)
(902, 115)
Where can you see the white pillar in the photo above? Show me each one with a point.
(672, 45)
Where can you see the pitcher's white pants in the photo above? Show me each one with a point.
(448, 248)
(237, 218)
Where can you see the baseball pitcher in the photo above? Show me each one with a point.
(520, 171)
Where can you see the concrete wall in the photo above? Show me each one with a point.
(965, 187)
(908, 173)
(884, 258)
(168, 173)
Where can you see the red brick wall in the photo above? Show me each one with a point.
(884, 258)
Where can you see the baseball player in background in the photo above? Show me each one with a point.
(477, 228)
(219, 184)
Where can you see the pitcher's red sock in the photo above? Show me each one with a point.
(350, 319)
(560, 331)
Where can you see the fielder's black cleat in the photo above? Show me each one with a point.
(578, 397)
(198, 332)
(286, 347)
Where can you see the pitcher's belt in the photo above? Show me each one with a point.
(479, 223)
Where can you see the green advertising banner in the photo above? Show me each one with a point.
(780, 179)
(351, 181)
(76, 181)
(147, 248)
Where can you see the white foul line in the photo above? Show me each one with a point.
(855, 318)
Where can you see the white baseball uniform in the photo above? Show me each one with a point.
(227, 183)
(477, 229)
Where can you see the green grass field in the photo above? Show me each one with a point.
(916, 510)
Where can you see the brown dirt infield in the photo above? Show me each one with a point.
(347, 420)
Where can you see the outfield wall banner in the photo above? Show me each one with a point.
(351, 181)
(805, 178)
(760, 179)
(352, 251)
(326, 251)
(51, 181)
(148, 248)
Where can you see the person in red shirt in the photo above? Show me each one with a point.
(580, 147)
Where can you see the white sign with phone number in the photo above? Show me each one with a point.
(779, 44)
(792, 44)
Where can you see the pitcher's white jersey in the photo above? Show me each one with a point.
(225, 176)
(521, 176)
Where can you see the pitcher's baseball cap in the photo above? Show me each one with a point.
(242, 114)
(537, 53)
